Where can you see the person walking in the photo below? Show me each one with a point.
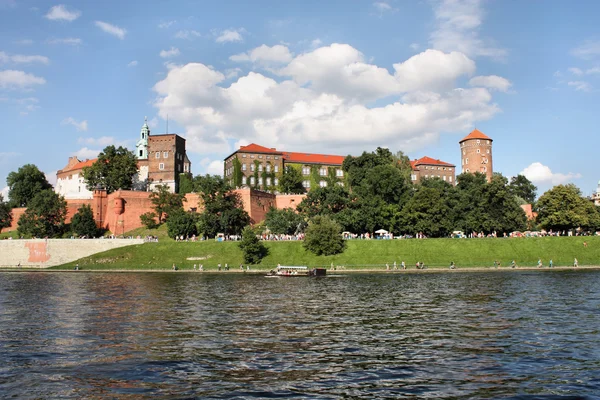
(576, 263)
(403, 265)
(539, 263)
(551, 264)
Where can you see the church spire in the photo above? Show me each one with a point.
(142, 144)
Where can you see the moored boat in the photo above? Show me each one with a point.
(297, 270)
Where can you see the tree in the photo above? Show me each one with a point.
(426, 212)
(357, 167)
(286, 221)
(563, 208)
(45, 215)
(149, 220)
(186, 184)
(165, 202)
(25, 184)
(5, 213)
(324, 237)
(386, 182)
(181, 223)
(82, 223)
(253, 249)
(114, 169)
(327, 200)
(522, 187)
(223, 209)
(291, 181)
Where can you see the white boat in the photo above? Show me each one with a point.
(297, 270)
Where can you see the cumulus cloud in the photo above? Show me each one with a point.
(14, 79)
(324, 98)
(133, 63)
(80, 126)
(230, 35)
(101, 141)
(187, 34)
(265, 54)
(68, 41)
(111, 29)
(172, 52)
(24, 42)
(580, 86)
(458, 24)
(492, 82)
(166, 24)
(383, 7)
(588, 50)
(86, 154)
(60, 13)
(540, 173)
(213, 167)
(51, 177)
(22, 59)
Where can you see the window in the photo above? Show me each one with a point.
(268, 157)
(467, 161)
(252, 156)
(341, 184)
(243, 167)
(323, 171)
(444, 177)
(276, 181)
(305, 170)
(449, 179)
(141, 153)
(243, 156)
(252, 180)
(323, 183)
(478, 141)
(161, 166)
(165, 154)
(243, 180)
(339, 172)
(483, 169)
(426, 176)
(277, 158)
(268, 167)
(488, 151)
(259, 156)
(260, 167)
(306, 184)
(277, 168)
(413, 177)
(467, 169)
(260, 181)
(252, 167)
(478, 151)
(268, 181)
(464, 152)
(157, 155)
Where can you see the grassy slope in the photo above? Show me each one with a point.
(359, 254)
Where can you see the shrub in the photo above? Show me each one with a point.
(181, 223)
(148, 220)
(83, 223)
(324, 237)
(254, 250)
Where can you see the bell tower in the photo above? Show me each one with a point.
(476, 154)
(142, 144)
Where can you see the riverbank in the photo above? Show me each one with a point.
(360, 255)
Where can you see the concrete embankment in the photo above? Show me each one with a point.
(42, 253)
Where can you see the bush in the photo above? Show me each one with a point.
(181, 223)
(83, 223)
(324, 237)
(148, 220)
(254, 250)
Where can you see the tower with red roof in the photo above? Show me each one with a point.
(476, 154)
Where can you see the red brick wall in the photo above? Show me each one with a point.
(288, 200)
(16, 213)
(135, 203)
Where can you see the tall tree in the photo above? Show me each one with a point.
(324, 236)
(182, 223)
(253, 249)
(327, 200)
(563, 208)
(165, 202)
(286, 221)
(82, 223)
(291, 181)
(522, 187)
(5, 213)
(357, 167)
(45, 215)
(25, 184)
(186, 183)
(115, 169)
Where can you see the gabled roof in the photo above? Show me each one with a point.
(429, 161)
(309, 158)
(476, 134)
(78, 165)
(255, 148)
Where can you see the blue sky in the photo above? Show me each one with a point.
(334, 77)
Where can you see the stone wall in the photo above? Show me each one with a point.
(289, 200)
(42, 253)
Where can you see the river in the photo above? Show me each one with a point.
(506, 334)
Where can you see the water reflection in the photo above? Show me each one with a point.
(475, 335)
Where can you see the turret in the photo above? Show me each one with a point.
(476, 154)
(142, 144)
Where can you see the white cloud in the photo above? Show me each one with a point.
(80, 126)
(22, 59)
(324, 99)
(581, 72)
(384, 7)
(51, 177)
(539, 173)
(316, 43)
(580, 86)
(111, 29)
(24, 42)
(153, 123)
(60, 13)
(166, 24)
(493, 82)
(86, 154)
(595, 70)
(4, 192)
(588, 50)
(213, 167)
(458, 24)
(414, 46)
(265, 54)
(172, 52)
(230, 35)
(101, 141)
(14, 79)
(133, 63)
(187, 34)
(69, 41)
(575, 71)
(232, 73)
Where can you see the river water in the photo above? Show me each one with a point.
(521, 334)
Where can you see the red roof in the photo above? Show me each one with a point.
(255, 148)
(476, 134)
(308, 158)
(429, 161)
(79, 165)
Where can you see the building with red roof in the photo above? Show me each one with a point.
(476, 154)
(69, 180)
(427, 167)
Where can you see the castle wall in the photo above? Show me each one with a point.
(123, 210)
(288, 200)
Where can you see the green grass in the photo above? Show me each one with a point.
(359, 254)
(12, 234)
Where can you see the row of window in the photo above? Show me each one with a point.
(478, 151)
(260, 157)
(482, 170)
(478, 142)
(252, 181)
(439, 168)
(306, 184)
(444, 177)
(260, 167)
(322, 171)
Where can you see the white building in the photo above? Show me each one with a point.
(69, 180)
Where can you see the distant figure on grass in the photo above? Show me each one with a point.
(551, 264)
(513, 264)
(387, 267)
(452, 265)
(219, 266)
(540, 263)
(584, 244)
(576, 263)
(242, 267)
(395, 266)
(174, 267)
(403, 265)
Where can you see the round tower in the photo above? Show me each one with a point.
(142, 144)
(476, 154)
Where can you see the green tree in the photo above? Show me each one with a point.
(5, 213)
(45, 215)
(115, 169)
(186, 184)
(563, 208)
(223, 209)
(522, 187)
(386, 182)
(426, 212)
(25, 184)
(324, 236)
(291, 181)
(356, 168)
(149, 220)
(182, 223)
(165, 202)
(327, 200)
(82, 223)
(253, 249)
(286, 221)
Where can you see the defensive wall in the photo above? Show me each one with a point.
(42, 253)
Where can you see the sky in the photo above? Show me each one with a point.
(335, 77)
